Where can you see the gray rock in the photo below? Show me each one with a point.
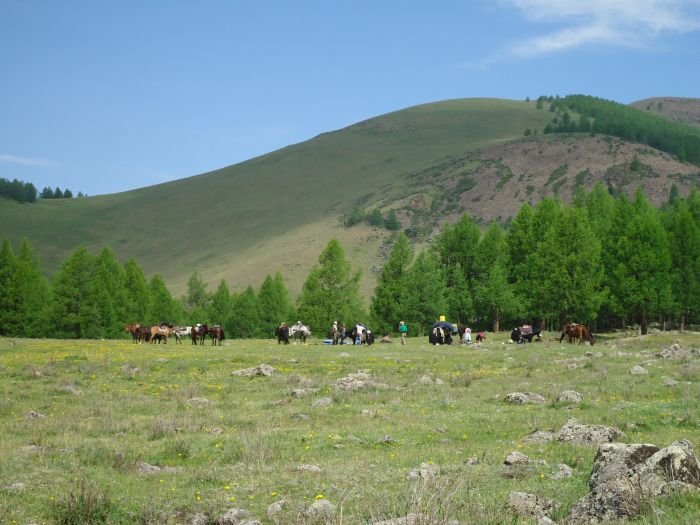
(570, 396)
(625, 476)
(540, 436)
(578, 434)
(516, 458)
(197, 402)
(358, 381)
(308, 468)
(303, 392)
(526, 398)
(71, 390)
(34, 415)
(234, 516)
(425, 471)
(147, 468)
(199, 519)
(638, 370)
(562, 471)
(676, 352)
(276, 508)
(408, 519)
(670, 382)
(472, 461)
(33, 449)
(321, 508)
(323, 402)
(260, 370)
(528, 505)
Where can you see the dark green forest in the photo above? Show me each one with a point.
(597, 115)
(606, 261)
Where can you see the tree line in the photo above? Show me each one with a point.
(597, 115)
(26, 192)
(601, 259)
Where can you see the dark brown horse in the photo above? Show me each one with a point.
(199, 333)
(282, 334)
(217, 335)
(133, 329)
(575, 331)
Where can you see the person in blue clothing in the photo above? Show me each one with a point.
(403, 329)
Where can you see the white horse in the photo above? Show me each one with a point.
(181, 331)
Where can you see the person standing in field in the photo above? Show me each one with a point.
(403, 329)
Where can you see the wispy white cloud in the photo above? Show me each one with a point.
(26, 161)
(630, 23)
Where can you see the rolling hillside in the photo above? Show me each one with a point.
(276, 212)
(685, 110)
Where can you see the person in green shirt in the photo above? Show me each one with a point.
(403, 329)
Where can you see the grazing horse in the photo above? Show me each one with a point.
(143, 333)
(282, 334)
(133, 329)
(575, 331)
(217, 335)
(199, 333)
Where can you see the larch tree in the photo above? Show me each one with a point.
(426, 299)
(387, 307)
(71, 294)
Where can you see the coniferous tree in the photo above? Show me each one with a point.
(496, 295)
(245, 315)
(274, 304)
(425, 298)
(459, 296)
(71, 291)
(220, 305)
(331, 291)
(8, 290)
(137, 294)
(639, 277)
(32, 292)
(387, 308)
(163, 308)
(197, 299)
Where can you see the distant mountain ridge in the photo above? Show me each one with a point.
(685, 110)
(429, 163)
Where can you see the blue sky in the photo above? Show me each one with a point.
(105, 96)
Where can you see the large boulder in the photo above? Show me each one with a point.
(625, 476)
(525, 398)
(578, 434)
(529, 505)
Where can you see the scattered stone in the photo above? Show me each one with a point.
(366, 412)
(276, 508)
(527, 398)
(638, 370)
(358, 381)
(308, 468)
(321, 508)
(33, 449)
(386, 339)
(216, 431)
(528, 505)
(344, 354)
(162, 360)
(71, 390)
(234, 516)
(670, 382)
(34, 415)
(260, 370)
(15, 487)
(426, 380)
(147, 468)
(386, 440)
(199, 519)
(625, 476)
(303, 392)
(570, 396)
(676, 352)
(578, 434)
(323, 402)
(300, 417)
(472, 461)
(425, 471)
(197, 402)
(516, 458)
(408, 519)
(540, 436)
(562, 471)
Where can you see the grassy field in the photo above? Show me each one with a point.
(78, 417)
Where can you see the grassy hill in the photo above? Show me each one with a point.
(276, 212)
(685, 110)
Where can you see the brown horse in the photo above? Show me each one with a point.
(161, 331)
(199, 333)
(575, 331)
(217, 335)
(133, 329)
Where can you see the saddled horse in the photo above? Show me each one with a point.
(282, 334)
(161, 332)
(198, 333)
(575, 331)
(299, 331)
(338, 333)
(133, 329)
(181, 331)
(360, 334)
(439, 336)
(217, 335)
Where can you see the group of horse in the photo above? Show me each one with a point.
(359, 334)
(160, 332)
(525, 334)
(576, 332)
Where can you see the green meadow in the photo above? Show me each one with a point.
(81, 418)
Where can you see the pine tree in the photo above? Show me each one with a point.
(245, 315)
(137, 294)
(71, 290)
(387, 308)
(460, 300)
(639, 275)
(456, 244)
(496, 295)
(331, 291)
(220, 305)
(163, 308)
(425, 292)
(274, 303)
(32, 292)
(8, 291)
